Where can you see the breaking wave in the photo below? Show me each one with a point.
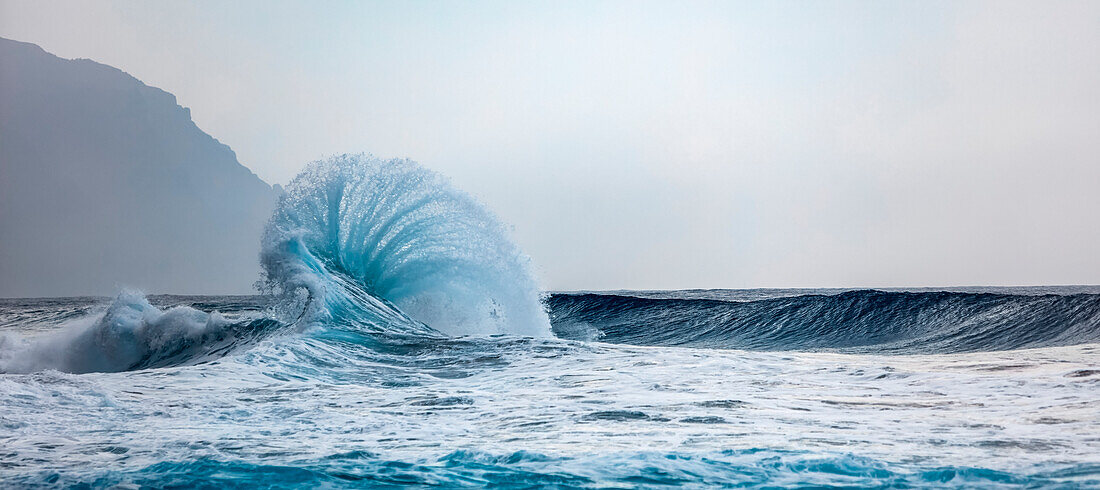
(132, 334)
(383, 254)
(359, 248)
(392, 245)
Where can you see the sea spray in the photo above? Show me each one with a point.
(356, 232)
(131, 334)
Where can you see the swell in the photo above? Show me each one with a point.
(854, 321)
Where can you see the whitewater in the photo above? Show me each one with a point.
(402, 340)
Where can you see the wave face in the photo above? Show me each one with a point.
(857, 321)
(393, 246)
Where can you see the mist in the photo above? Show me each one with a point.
(688, 145)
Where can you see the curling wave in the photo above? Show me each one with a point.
(853, 321)
(360, 250)
(392, 246)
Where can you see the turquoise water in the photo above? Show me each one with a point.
(296, 410)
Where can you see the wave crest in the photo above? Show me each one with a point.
(380, 242)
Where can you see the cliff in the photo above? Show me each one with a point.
(106, 182)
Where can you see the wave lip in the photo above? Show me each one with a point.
(390, 245)
(866, 321)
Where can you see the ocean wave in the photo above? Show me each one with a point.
(372, 256)
(393, 246)
(360, 250)
(132, 334)
(853, 321)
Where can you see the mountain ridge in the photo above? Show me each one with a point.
(106, 182)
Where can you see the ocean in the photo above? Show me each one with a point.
(400, 340)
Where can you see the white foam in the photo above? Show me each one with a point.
(131, 332)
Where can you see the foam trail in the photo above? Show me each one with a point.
(375, 240)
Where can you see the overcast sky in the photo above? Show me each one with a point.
(674, 144)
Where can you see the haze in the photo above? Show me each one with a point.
(668, 145)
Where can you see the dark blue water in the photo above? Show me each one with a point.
(867, 321)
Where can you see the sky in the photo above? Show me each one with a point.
(662, 145)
